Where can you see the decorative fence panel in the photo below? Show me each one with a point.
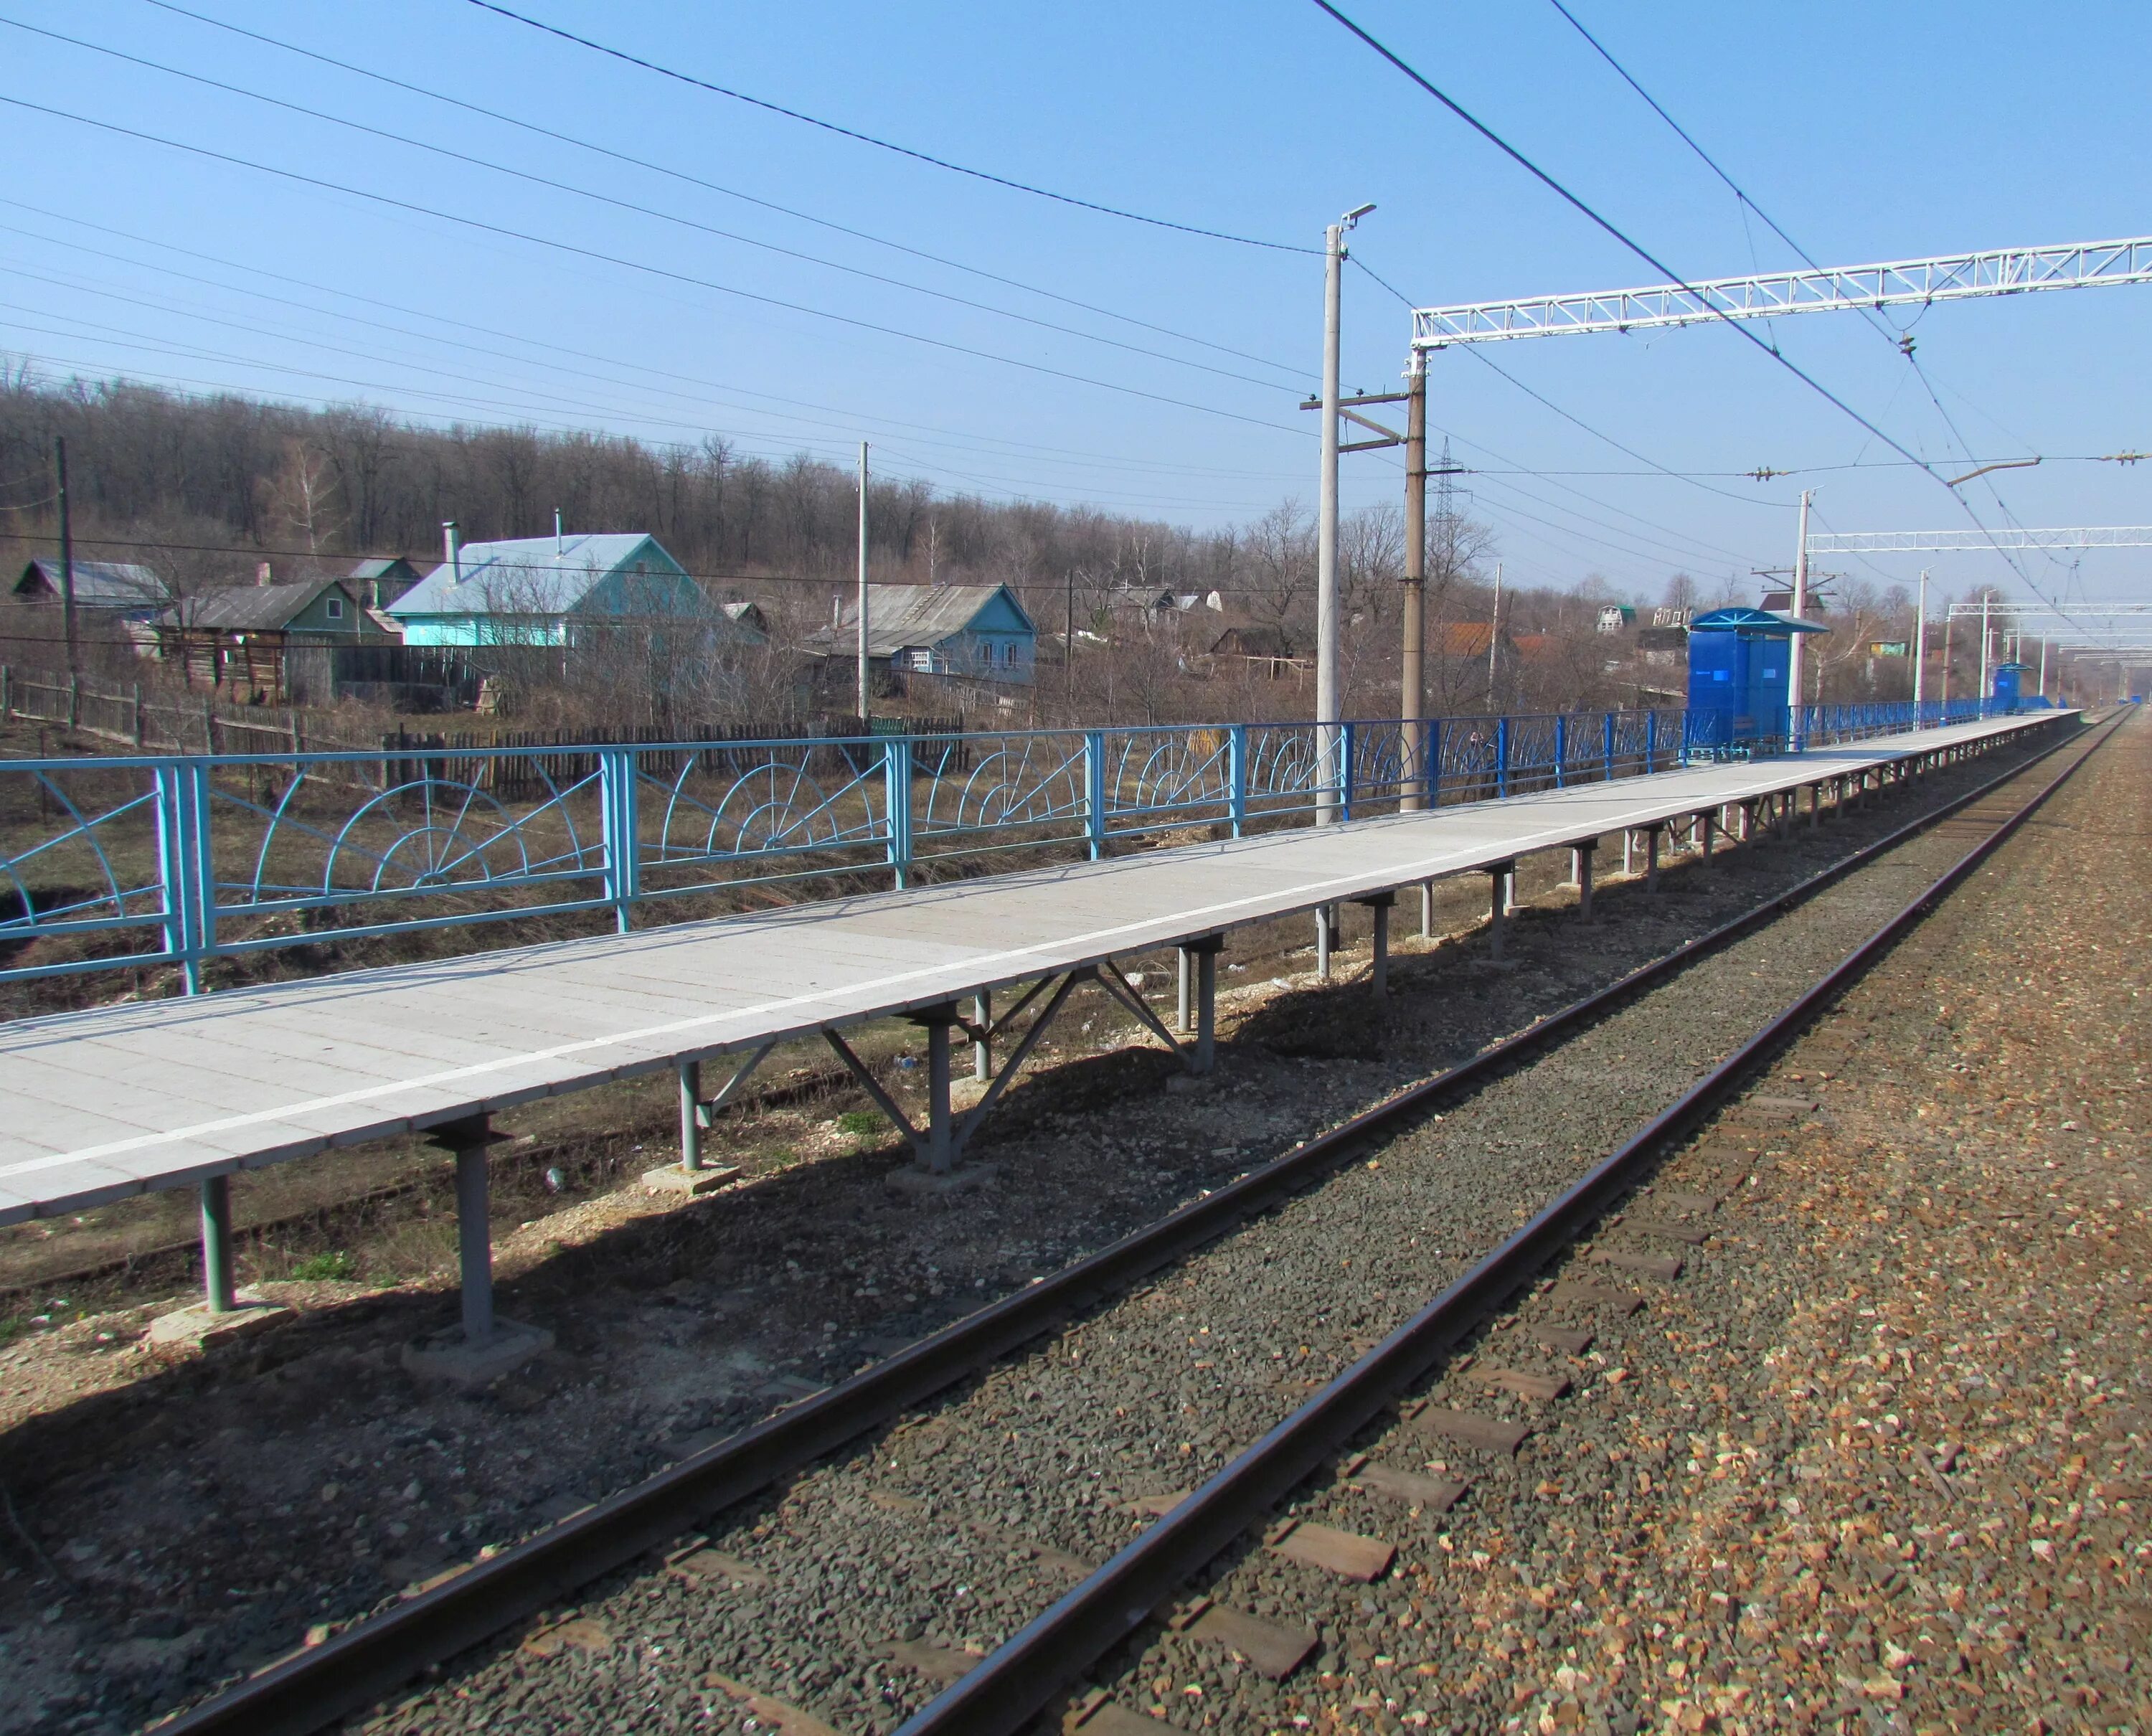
(141, 860)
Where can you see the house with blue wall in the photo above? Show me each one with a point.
(970, 633)
(551, 590)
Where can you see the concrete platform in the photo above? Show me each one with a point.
(99, 1104)
(199, 1327)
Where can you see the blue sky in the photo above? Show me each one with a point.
(1869, 133)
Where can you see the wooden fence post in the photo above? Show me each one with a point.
(139, 740)
(209, 726)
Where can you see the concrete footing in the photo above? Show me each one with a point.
(454, 1358)
(674, 1179)
(933, 1184)
(201, 1326)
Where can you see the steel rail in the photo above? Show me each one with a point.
(1021, 1679)
(378, 1654)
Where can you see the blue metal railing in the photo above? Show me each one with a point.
(128, 862)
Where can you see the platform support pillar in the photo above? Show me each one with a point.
(1184, 1019)
(1326, 938)
(1580, 857)
(468, 1140)
(218, 1292)
(1652, 860)
(1378, 970)
(1816, 806)
(1628, 850)
(982, 1042)
(1427, 909)
(1703, 833)
(1497, 904)
(1199, 969)
(691, 1122)
(938, 1022)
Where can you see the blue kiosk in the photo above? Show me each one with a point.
(1739, 663)
(2007, 695)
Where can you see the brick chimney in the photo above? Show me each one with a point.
(262, 574)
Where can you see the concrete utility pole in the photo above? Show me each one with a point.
(1981, 695)
(1327, 736)
(67, 555)
(2043, 666)
(1794, 690)
(863, 582)
(1494, 639)
(1921, 643)
(1412, 679)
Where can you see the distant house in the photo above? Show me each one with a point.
(1616, 618)
(118, 589)
(975, 632)
(553, 590)
(378, 583)
(237, 640)
(1263, 650)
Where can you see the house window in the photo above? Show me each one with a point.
(922, 659)
(1008, 657)
(336, 608)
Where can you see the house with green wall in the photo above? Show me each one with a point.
(552, 590)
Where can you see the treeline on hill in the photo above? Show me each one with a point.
(203, 487)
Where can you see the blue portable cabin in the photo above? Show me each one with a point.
(1740, 666)
(2007, 695)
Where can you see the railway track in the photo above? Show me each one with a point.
(1036, 1518)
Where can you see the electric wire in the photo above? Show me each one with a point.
(1644, 253)
(654, 270)
(903, 151)
(707, 186)
(852, 420)
(639, 210)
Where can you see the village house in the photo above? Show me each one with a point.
(238, 641)
(973, 632)
(117, 590)
(555, 590)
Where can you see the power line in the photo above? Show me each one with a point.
(851, 420)
(571, 247)
(902, 150)
(707, 186)
(629, 204)
(1636, 247)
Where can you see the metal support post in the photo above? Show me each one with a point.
(1203, 955)
(1703, 824)
(1628, 849)
(937, 1021)
(1185, 1022)
(1816, 806)
(1581, 861)
(1497, 904)
(1427, 909)
(1652, 860)
(1326, 938)
(1412, 686)
(982, 1041)
(218, 1288)
(691, 1121)
(1378, 969)
(468, 1140)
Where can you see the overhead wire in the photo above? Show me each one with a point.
(708, 185)
(636, 208)
(903, 151)
(1898, 338)
(926, 431)
(639, 266)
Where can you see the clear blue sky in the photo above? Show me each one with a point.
(1869, 133)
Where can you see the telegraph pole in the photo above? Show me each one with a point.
(1494, 639)
(1412, 682)
(863, 583)
(1794, 659)
(1327, 735)
(1920, 647)
(67, 555)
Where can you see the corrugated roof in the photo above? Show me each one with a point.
(99, 584)
(899, 616)
(1462, 638)
(250, 608)
(382, 567)
(527, 575)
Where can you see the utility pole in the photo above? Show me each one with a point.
(1327, 735)
(1793, 660)
(1947, 633)
(1920, 647)
(1981, 695)
(2043, 666)
(863, 584)
(67, 555)
(1069, 651)
(1412, 679)
(1494, 639)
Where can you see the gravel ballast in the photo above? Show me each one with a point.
(955, 1528)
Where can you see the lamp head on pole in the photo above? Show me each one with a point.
(1358, 211)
